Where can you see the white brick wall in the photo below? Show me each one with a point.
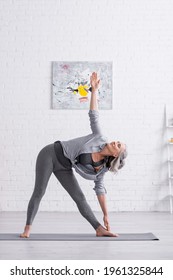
(138, 37)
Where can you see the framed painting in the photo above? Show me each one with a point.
(71, 87)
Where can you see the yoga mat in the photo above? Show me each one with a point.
(78, 237)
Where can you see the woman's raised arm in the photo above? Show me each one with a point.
(95, 84)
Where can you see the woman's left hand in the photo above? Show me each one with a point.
(106, 222)
(95, 81)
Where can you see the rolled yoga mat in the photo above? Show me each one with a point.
(78, 237)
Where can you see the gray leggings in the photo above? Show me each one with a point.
(47, 163)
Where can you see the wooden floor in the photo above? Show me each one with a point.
(160, 224)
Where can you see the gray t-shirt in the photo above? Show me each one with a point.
(90, 143)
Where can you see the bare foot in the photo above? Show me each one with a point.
(101, 231)
(26, 232)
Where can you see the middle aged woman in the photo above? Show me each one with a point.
(91, 156)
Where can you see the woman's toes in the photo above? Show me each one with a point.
(114, 235)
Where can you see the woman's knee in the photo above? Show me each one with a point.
(79, 198)
(38, 194)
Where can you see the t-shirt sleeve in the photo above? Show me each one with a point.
(99, 186)
(94, 121)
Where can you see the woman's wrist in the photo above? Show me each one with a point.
(94, 90)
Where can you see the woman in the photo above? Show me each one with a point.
(91, 157)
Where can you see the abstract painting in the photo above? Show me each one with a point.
(71, 87)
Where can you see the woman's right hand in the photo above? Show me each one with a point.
(106, 222)
(94, 81)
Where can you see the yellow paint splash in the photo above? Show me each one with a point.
(82, 89)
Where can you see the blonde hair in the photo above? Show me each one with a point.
(118, 162)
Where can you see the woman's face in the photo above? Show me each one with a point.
(116, 148)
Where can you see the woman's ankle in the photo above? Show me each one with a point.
(100, 229)
(27, 226)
